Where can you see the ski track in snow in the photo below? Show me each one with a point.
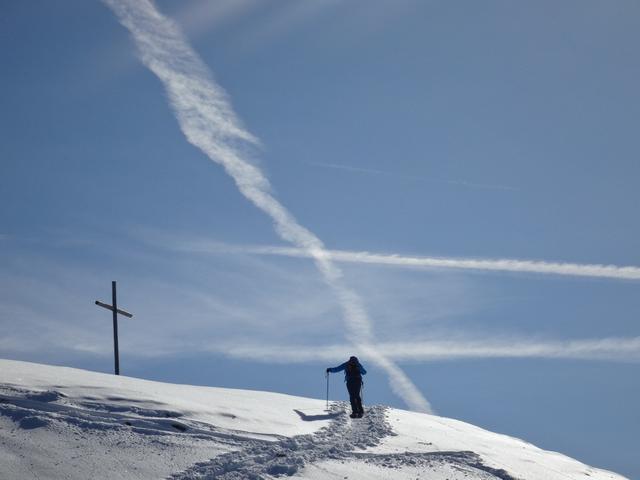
(259, 459)
(248, 456)
(341, 440)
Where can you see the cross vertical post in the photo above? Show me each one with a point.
(116, 311)
(116, 352)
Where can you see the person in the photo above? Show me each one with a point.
(353, 372)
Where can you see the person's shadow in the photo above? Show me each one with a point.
(314, 418)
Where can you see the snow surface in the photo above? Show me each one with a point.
(64, 423)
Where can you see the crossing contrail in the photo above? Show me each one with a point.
(208, 121)
(395, 260)
(614, 349)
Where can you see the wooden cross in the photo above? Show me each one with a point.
(114, 308)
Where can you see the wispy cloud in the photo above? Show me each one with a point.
(422, 178)
(208, 122)
(604, 349)
(47, 314)
(47, 309)
(396, 260)
(200, 17)
(281, 18)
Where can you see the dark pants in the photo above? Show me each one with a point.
(354, 385)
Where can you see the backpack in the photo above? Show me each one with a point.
(352, 369)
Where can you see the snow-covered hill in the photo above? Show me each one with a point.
(63, 423)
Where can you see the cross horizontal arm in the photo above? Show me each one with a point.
(109, 307)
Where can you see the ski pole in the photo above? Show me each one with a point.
(327, 375)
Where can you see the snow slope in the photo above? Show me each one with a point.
(63, 423)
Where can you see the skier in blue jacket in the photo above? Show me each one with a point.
(353, 372)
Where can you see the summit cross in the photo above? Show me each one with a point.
(114, 308)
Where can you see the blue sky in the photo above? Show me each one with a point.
(455, 130)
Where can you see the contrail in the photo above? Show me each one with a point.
(394, 260)
(603, 349)
(208, 122)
